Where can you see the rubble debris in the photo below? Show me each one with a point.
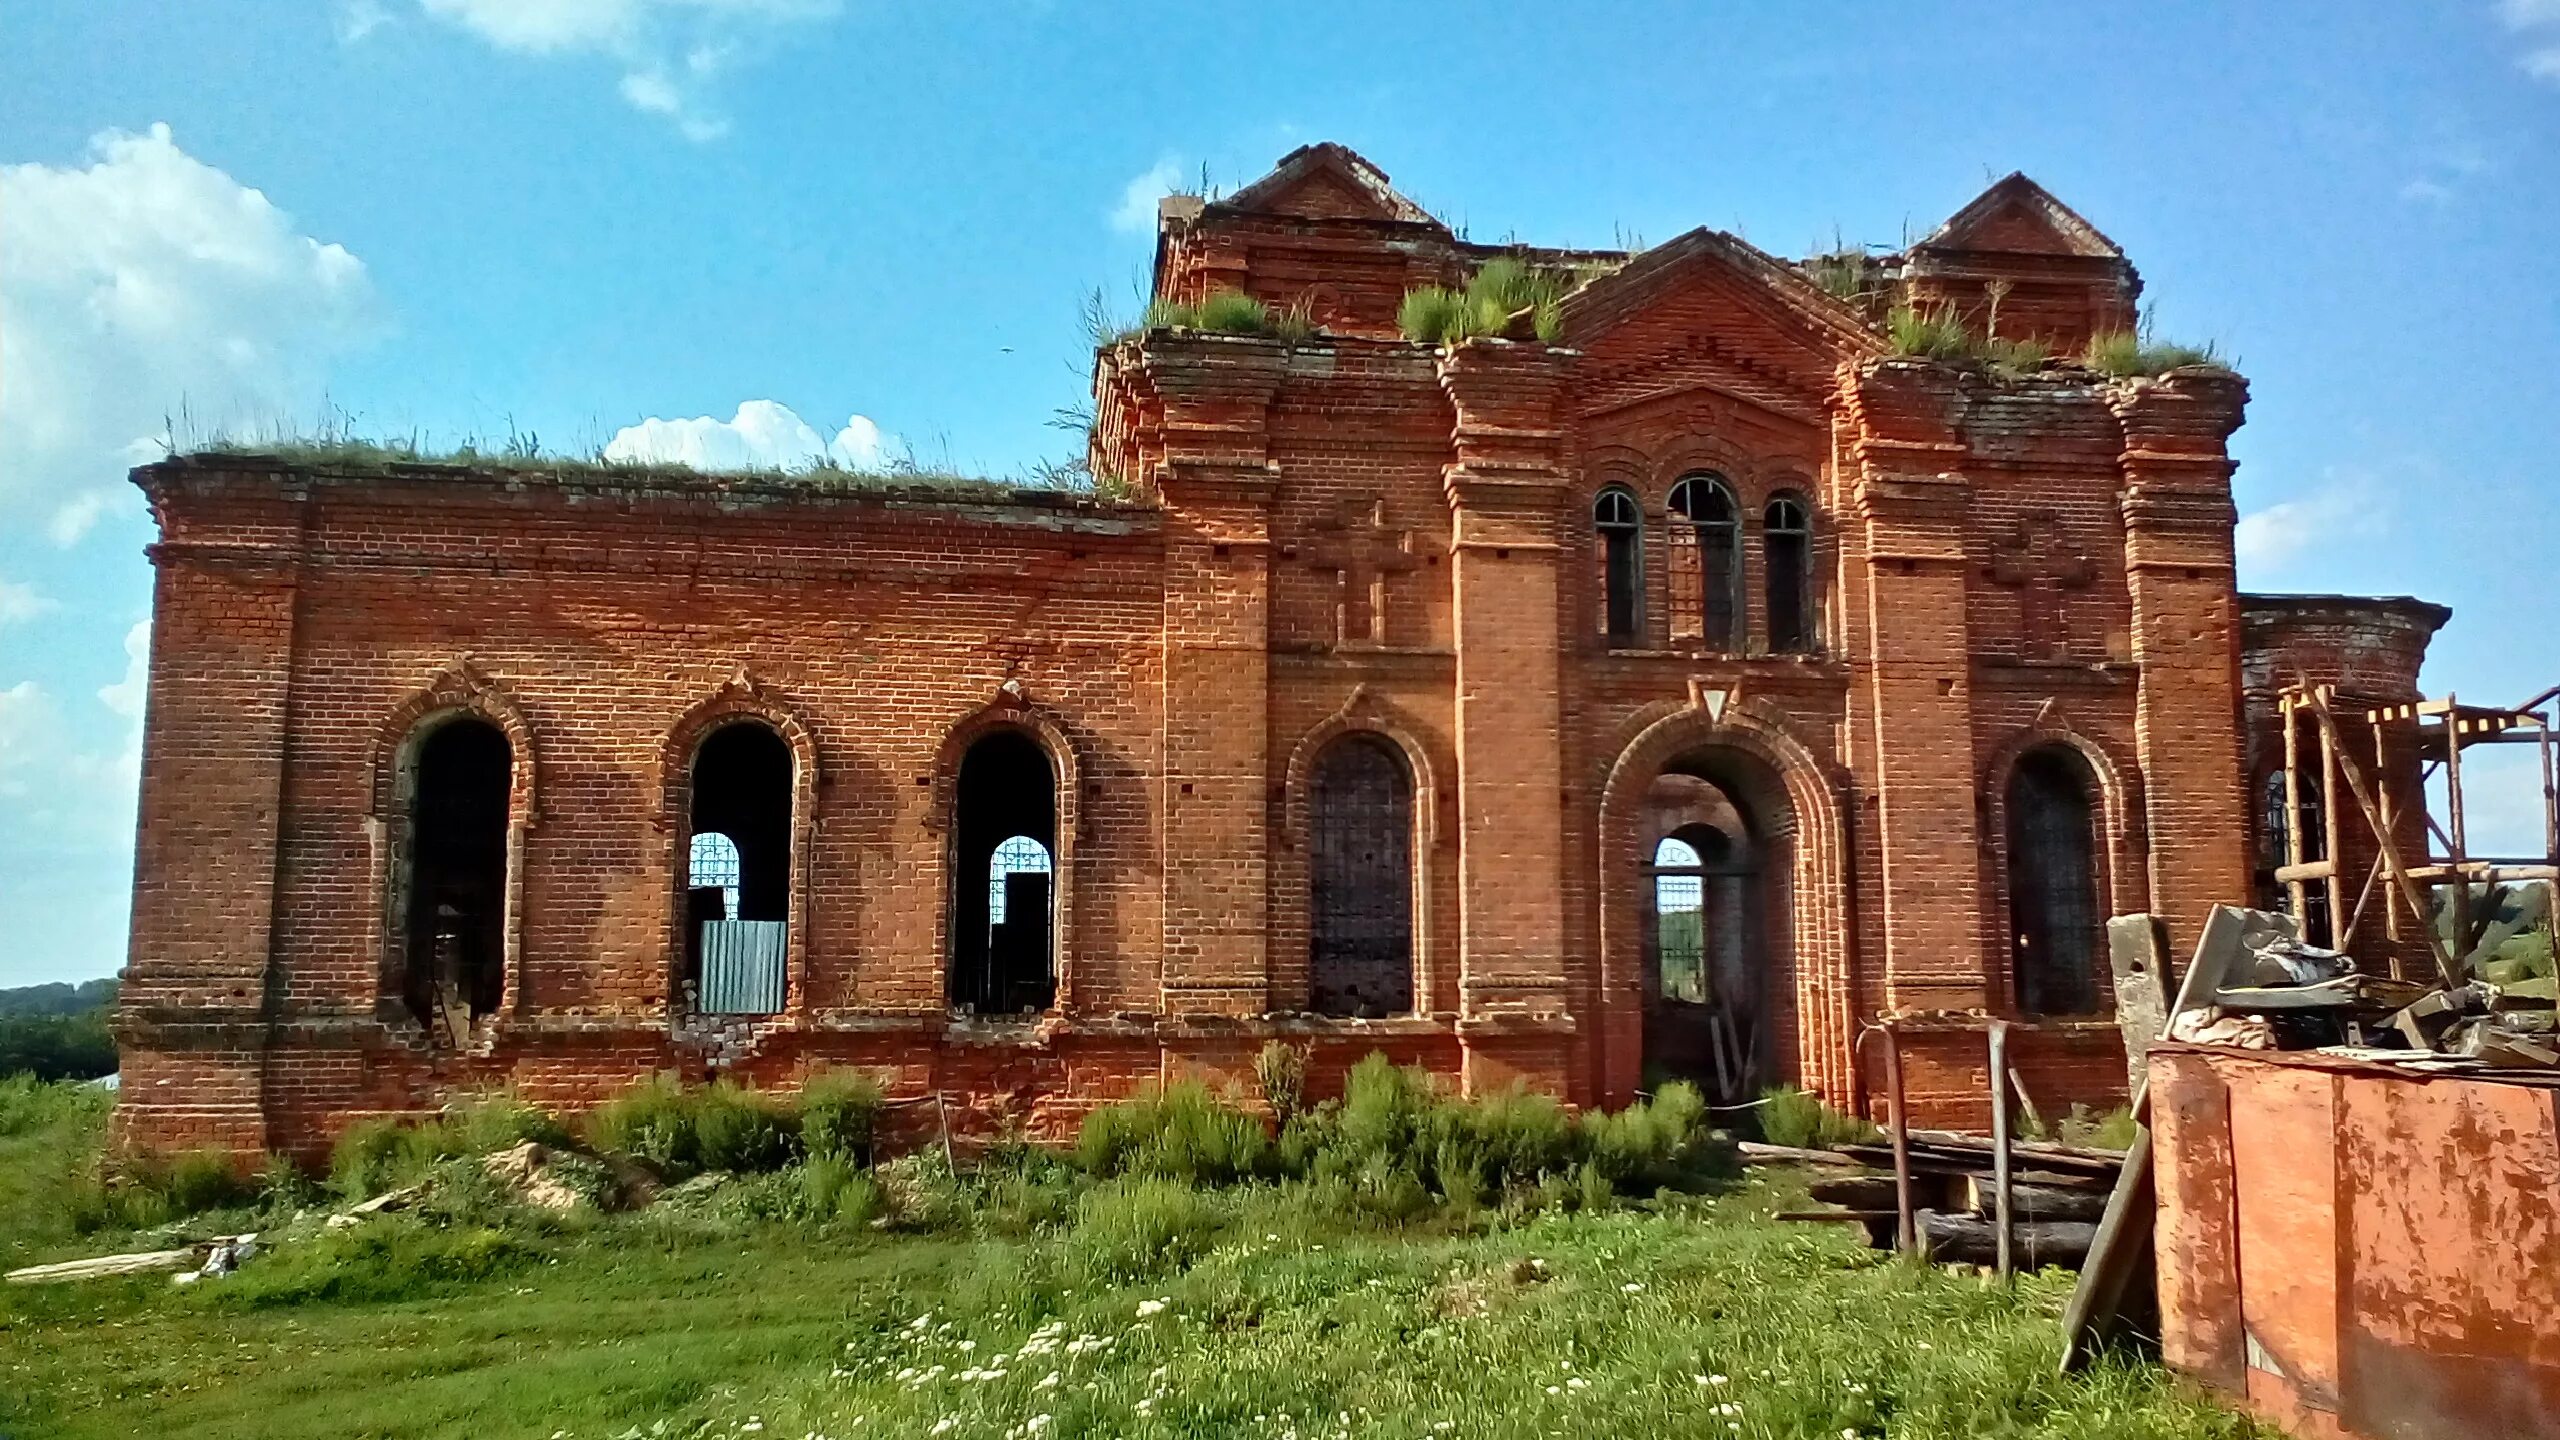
(221, 1259)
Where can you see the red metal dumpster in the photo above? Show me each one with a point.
(2360, 1250)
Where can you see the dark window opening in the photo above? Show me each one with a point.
(1787, 532)
(1621, 530)
(1360, 897)
(738, 871)
(2273, 830)
(1003, 892)
(456, 942)
(2055, 926)
(1706, 567)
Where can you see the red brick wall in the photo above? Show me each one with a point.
(1347, 533)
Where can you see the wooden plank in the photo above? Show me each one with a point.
(138, 1263)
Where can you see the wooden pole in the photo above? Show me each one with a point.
(1905, 1240)
(2448, 968)
(2000, 1142)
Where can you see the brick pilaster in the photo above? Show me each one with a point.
(1217, 481)
(1504, 488)
(1912, 498)
(2186, 638)
(200, 980)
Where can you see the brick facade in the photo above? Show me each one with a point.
(1345, 538)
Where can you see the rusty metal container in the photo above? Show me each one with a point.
(2358, 1250)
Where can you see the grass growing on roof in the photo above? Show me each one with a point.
(1500, 289)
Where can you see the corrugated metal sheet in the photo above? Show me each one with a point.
(742, 966)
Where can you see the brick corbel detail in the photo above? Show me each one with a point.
(1505, 486)
(1911, 496)
(1217, 481)
(2186, 638)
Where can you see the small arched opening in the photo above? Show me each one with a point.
(454, 934)
(1706, 566)
(738, 866)
(1004, 878)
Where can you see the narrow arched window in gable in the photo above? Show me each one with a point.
(1620, 530)
(1786, 536)
(1360, 896)
(1706, 564)
(2055, 920)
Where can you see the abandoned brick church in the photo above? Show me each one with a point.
(1665, 685)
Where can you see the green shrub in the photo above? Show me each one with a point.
(1280, 1068)
(28, 1104)
(839, 1114)
(1935, 333)
(1230, 312)
(497, 1120)
(1179, 1133)
(391, 1257)
(1432, 315)
(743, 1130)
(1500, 288)
(1789, 1116)
(1140, 1226)
(201, 1180)
(1654, 1143)
(2124, 353)
(652, 1122)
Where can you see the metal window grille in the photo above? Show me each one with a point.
(1361, 892)
(1786, 533)
(712, 864)
(1706, 563)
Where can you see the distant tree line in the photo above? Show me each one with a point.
(58, 1031)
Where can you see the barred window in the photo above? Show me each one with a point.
(1786, 537)
(1706, 563)
(1360, 899)
(1620, 528)
(2055, 924)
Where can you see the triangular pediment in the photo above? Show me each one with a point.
(1326, 182)
(1709, 308)
(2017, 216)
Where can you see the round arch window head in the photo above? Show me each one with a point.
(1614, 508)
(1704, 499)
(1788, 514)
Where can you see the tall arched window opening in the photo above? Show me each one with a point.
(738, 871)
(1786, 537)
(1706, 567)
(1708, 985)
(456, 926)
(2055, 921)
(1620, 528)
(1360, 898)
(2274, 835)
(1004, 881)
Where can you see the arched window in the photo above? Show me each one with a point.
(1004, 885)
(2274, 832)
(1360, 899)
(1706, 563)
(738, 870)
(1621, 533)
(1786, 537)
(2055, 923)
(455, 926)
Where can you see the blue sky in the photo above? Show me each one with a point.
(569, 217)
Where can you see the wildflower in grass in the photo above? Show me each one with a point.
(1148, 1309)
(1633, 1287)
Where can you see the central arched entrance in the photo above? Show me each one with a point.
(1715, 974)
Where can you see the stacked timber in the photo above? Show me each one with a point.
(2057, 1194)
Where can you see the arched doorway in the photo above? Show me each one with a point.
(1004, 878)
(455, 928)
(1714, 977)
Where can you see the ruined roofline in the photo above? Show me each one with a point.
(2274, 608)
(385, 469)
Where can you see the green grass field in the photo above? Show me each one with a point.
(1046, 1304)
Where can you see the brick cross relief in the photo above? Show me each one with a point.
(1357, 544)
(2039, 564)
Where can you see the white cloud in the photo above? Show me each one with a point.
(20, 601)
(2538, 21)
(141, 286)
(763, 435)
(1136, 213)
(2270, 539)
(2425, 191)
(357, 19)
(670, 51)
(125, 696)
